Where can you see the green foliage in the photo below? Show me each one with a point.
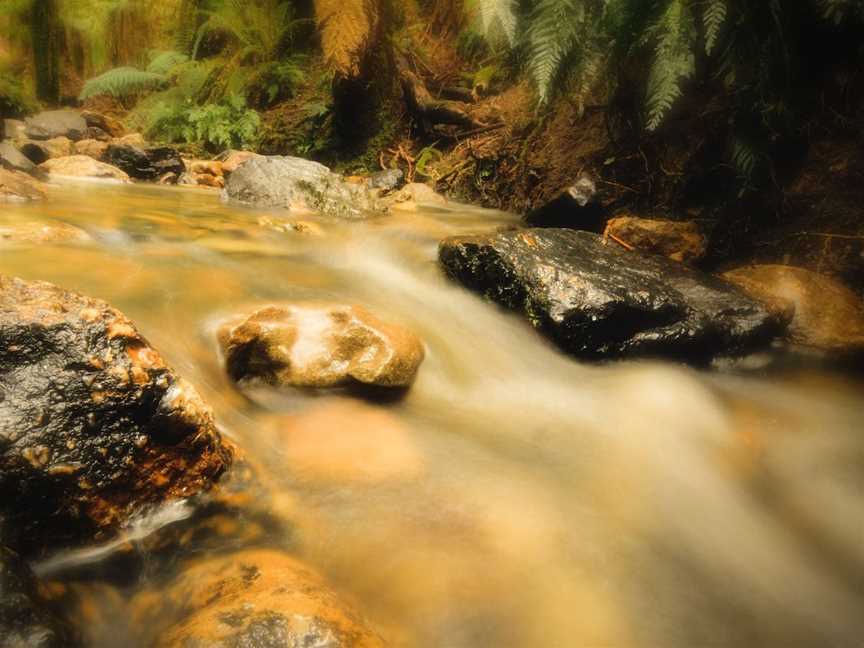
(122, 82)
(259, 31)
(674, 60)
(274, 81)
(839, 10)
(166, 62)
(16, 100)
(496, 18)
(218, 126)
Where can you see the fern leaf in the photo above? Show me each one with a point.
(713, 19)
(674, 60)
(164, 62)
(348, 30)
(122, 82)
(498, 20)
(554, 31)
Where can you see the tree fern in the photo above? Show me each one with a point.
(348, 29)
(122, 82)
(554, 28)
(839, 10)
(674, 60)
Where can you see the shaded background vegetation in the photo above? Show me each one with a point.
(743, 113)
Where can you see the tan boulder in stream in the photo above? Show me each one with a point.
(828, 316)
(19, 187)
(82, 166)
(678, 240)
(319, 345)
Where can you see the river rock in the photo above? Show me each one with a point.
(387, 180)
(14, 129)
(19, 187)
(19, 232)
(577, 207)
(679, 240)
(133, 139)
(232, 159)
(144, 164)
(413, 196)
(104, 123)
(256, 598)
(210, 167)
(96, 133)
(56, 123)
(827, 315)
(345, 441)
(319, 345)
(94, 426)
(81, 166)
(13, 159)
(91, 148)
(25, 621)
(43, 150)
(601, 301)
(297, 185)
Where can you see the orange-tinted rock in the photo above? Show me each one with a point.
(19, 187)
(104, 122)
(94, 427)
(679, 240)
(233, 159)
(91, 148)
(259, 598)
(828, 315)
(319, 345)
(346, 441)
(37, 233)
(210, 167)
(82, 166)
(208, 180)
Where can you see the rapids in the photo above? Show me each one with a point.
(514, 497)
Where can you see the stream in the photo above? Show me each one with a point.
(514, 497)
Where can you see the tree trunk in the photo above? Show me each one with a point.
(45, 30)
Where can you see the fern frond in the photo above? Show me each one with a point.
(348, 29)
(839, 10)
(164, 62)
(554, 31)
(713, 19)
(674, 60)
(122, 82)
(497, 20)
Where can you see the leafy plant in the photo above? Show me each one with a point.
(348, 29)
(218, 126)
(123, 82)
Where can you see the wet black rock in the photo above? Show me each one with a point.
(13, 159)
(298, 185)
(144, 164)
(56, 123)
(25, 621)
(601, 301)
(576, 207)
(94, 426)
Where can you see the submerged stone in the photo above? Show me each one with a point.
(827, 315)
(602, 301)
(319, 345)
(40, 232)
(16, 186)
(297, 185)
(256, 598)
(94, 426)
(25, 621)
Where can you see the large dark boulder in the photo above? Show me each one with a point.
(94, 426)
(601, 301)
(13, 159)
(298, 185)
(25, 621)
(56, 123)
(144, 164)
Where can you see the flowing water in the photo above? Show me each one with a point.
(514, 497)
